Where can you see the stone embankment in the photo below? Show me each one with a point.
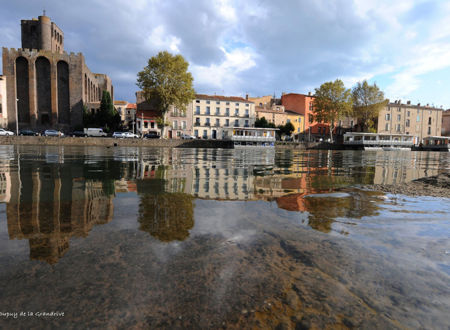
(163, 143)
(437, 186)
(109, 142)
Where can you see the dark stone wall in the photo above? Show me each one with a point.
(31, 34)
(23, 94)
(43, 88)
(63, 93)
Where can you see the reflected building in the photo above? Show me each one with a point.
(391, 169)
(48, 206)
(5, 187)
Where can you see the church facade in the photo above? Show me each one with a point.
(48, 87)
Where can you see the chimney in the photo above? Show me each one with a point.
(309, 93)
(408, 102)
(418, 104)
(246, 96)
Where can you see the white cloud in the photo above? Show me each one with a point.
(227, 73)
(159, 39)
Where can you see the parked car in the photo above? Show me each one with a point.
(78, 134)
(187, 137)
(28, 132)
(4, 132)
(53, 132)
(151, 135)
(94, 132)
(123, 135)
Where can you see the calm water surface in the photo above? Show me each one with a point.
(189, 238)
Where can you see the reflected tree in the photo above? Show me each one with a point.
(324, 210)
(167, 216)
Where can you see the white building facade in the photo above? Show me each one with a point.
(214, 115)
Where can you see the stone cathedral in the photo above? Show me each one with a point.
(49, 87)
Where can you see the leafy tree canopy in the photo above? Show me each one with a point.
(165, 81)
(286, 129)
(368, 100)
(263, 123)
(332, 101)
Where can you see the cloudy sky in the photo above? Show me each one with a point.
(259, 47)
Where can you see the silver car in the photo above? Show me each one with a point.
(4, 132)
(122, 135)
(52, 132)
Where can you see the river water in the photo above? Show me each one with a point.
(205, 238)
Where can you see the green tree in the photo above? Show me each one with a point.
(107, 116)
(286, 129)
(368, 100)
(165, 81)
(263, 123)
(332, 101)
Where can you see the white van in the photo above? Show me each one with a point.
(94, 132)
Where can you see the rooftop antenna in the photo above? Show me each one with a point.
(44, 12)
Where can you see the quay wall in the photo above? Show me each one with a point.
(110, 142)
(162, 143)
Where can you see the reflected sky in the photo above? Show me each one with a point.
(256, 237)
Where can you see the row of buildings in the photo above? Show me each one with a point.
(44, 87)
(212, 116)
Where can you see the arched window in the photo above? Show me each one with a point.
(22, 87)
(43, 88)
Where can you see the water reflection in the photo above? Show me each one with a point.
(48, 207)
(53, 194)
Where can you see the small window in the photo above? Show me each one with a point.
(388, 116)
(237, 104)
(207, 102)
(386, 128)
(407, 123)
(399, 117)
(217, 102)
(429, 120)
(197, 101)
(418, 118)
(429, 130)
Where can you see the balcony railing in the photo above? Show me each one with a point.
(196, 124)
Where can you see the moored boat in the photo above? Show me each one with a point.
(378, 141)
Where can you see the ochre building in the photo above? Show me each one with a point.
(48, 87)
(418, 120)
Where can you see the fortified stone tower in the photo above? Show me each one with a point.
(47, 87)
(42, 34)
